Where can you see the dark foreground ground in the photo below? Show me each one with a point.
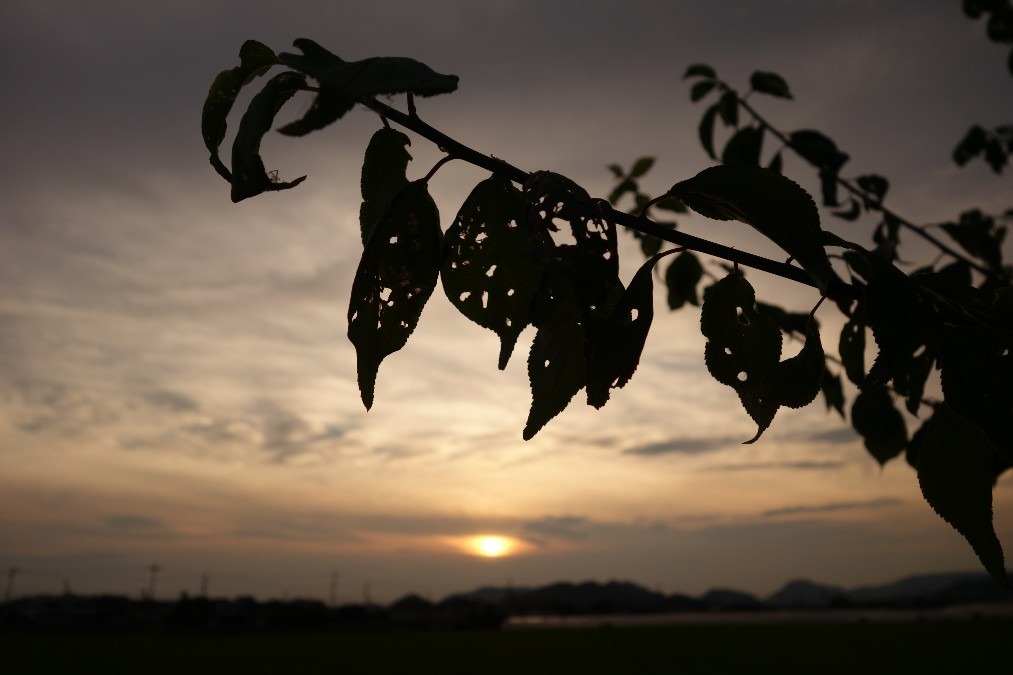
(908, 647)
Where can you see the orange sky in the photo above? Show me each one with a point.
(176, 386)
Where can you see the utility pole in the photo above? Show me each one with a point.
(11, 573)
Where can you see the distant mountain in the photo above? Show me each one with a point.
(799, 594)
(726, 599)
(589, 598)
(946, 588)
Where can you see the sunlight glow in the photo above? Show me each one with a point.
(491, 546)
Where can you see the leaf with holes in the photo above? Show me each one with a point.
(913, 368)
(344, 83)
(613, 344)
(776, 206)
(384, 173)
(743, 346)
(556, 364)
(396, 276)
(249, 177)
(954, 464)
(255, 59)
(494, 261)
(876, 418)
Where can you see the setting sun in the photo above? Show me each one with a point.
(491, 546)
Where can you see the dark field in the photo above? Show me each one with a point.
(922, 647)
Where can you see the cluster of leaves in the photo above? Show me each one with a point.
(536, 249)
(996, 145)
(951, 320)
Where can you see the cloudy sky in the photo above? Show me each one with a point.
(176, 387)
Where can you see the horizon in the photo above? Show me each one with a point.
(176, 384)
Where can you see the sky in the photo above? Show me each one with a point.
(176, 386)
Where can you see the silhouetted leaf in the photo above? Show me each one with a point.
(616, 170)
(493, 263)
(343, 83)
(744, 147)
(641, 166)
(852, 346)
(818, 149)
(874, 416)
(681, 278)
(384, 173)
(777, 207)
(895, 311)
(613, 344)
(828, 188)
(701, 89)
(769, 83)
(706, 131)
(556, 364)
(976, 366)
(789, 322)
(851, 214)
(728, 108)
(249, 177)
(673, 205)
(699, 70)
(912, 370)
(396, 276)
(622, 188)
(976, 233)
(743, 346)
(776, 163)
(254, 59)
(874, 185)
(955, 475)
(795, 382)
(971, 145)
(833, 391)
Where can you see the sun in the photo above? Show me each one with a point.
(491, 546)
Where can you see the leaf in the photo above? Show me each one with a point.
(896, 312)
(852, 346)
(769, 83)
(833, 391)
(776, 163)
(396, 275)
(744, 147)
(728, 108)
(977, 235)
(701, 89)
(971, 145)
(852, 213)
(384, 173)
(249, 177)
(789, 322)
(681, 278)
(613, 345)
(955, 476)
(874, 185)
(616, 170)
(874, 416)
(556, 364)
(818, 149)
(622, 188)
(706, 131)
(976, 366)
(796, 382)
(641, 166)
(344, 83)
(743, 346)
(777, 207)
(913, 368)
(493, 262)
(255, 60)
(699, 70)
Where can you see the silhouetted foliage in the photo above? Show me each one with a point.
(505, 265)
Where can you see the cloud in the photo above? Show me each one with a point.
(170, 400)
(840, 435)
(684, 446)
(833, 507)
(801, 465)
(556, 527)
(133, 523)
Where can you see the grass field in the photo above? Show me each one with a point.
(925, 647)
